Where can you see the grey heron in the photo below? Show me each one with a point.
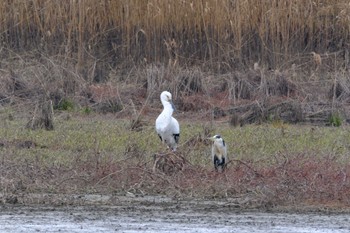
(218, 152)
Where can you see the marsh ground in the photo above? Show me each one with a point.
(271, 165)
(274, 86)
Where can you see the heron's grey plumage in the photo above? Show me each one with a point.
(218, 152)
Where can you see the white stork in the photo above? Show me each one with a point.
(167, 127)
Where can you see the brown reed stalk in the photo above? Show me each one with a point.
(247, 31)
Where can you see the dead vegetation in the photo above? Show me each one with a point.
(282, 61)
(212, 56)
(225, 35)
(255, 96)
(42, 117)
(293, 179)
(169, 163)
(258, 112)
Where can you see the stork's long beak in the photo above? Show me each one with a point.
(172, 105)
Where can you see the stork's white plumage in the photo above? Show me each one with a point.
(167, 126)
(218, 152)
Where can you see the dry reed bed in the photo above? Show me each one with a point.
(226, 34)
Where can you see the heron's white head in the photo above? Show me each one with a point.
(166, 98)
(218, 139)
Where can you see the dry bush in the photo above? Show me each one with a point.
(104, 98)
(320, 113)
(156, 80)
(179, 81)
(286, 179)
(267, 110)
(154, 76)
(192, 89)
(14, 88)
(195, 103)
(190, 81)
(199, 140)
(281, 85)
(259, 84)
(30, 77)
(340, 88)
(169, 163)
(187, 86)
(248, 85)
(308, 178)
(55, 79)
(42, 116)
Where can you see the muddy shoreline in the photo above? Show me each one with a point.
(129, 200)
(104, 213)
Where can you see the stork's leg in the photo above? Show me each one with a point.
(176, 137)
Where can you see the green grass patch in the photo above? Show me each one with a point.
(252, 142)
(65, 105)
(99, 154)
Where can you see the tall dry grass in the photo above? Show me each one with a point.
(224, 33)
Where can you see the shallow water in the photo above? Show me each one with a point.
(149, 218)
